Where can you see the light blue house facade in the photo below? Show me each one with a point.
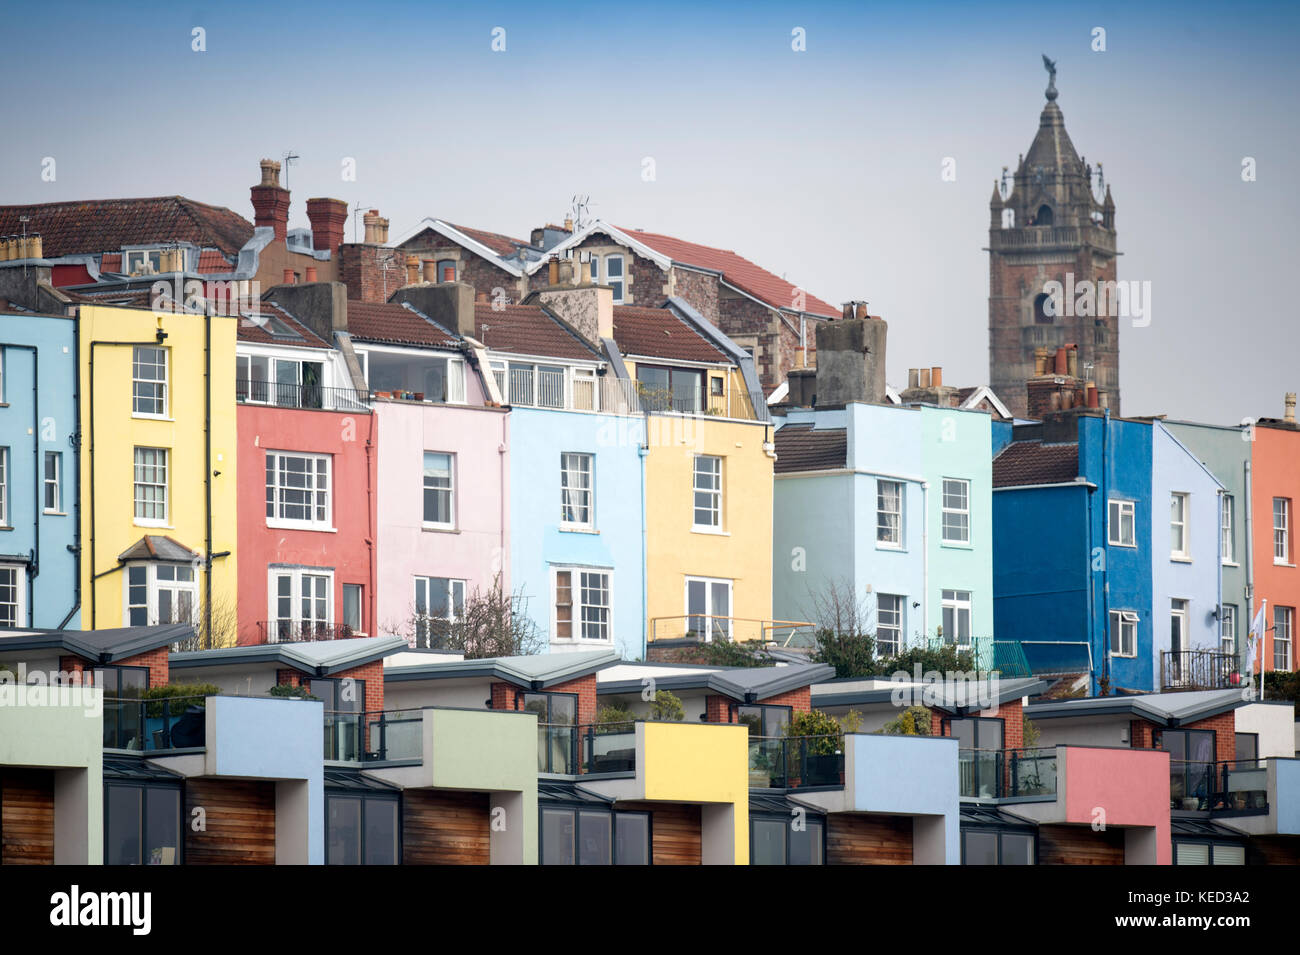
(1090, 574)
(39, 491)
(894, 502)
(568, 547)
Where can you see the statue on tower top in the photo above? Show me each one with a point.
(1050, 66)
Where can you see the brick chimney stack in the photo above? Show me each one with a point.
(271, 200)
(329, 218)
(851, 358)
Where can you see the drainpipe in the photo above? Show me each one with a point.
(207, 473)
(1218, 607)
(75, 442)
(925, 560)
(1250, 576)
(1105, 565)
(373, 581)
(34, 565)
(156, 340)
(643, 451)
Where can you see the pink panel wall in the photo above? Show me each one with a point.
(1130, 785)
(477, 549)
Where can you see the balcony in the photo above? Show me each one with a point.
(1007, 773)
(1226, 788)
(1198, 670)
(573, 749)
(705, 628)
(302, 631)
(796, 762)
(311, 397)
(168, 723)
(527, 386)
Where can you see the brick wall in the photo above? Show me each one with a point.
(371, 272)
(799, 700)
(507, 696)
(1011, 713)
(1224, 727)
(154, 660)
(372, 673)
(471, 268)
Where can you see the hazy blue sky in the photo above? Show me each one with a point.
(822, 165)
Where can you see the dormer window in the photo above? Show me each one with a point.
(610, 273)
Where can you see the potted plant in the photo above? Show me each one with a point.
(814, 750)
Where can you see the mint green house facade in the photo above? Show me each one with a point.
(897, 502)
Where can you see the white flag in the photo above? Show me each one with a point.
(1255, 639)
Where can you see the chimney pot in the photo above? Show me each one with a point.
(271, 201)
(913, 378)
(568, 224)
(936, 377)
(288, 277)
(270, 172)
(329, 218)
(1290, 407)
(430, 270)
(925, 378)
(848, 310)
(1062, 363)
(586, 273)
(860, 310)
(1072, 362)
(311, 273)
(449, 273)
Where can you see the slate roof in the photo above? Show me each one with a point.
(802, 448)
(534, 672)
(1033, 462)
(743, 684)
(526, 330)
(100, 225)
(395, 324)
(948, 696)
(102, 646)
(498, 243)
(660, 333)
(320, 658)
(737, 270)
(252, 328)
(158, 547)
(1166, 709)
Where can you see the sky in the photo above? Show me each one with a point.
(823, 165)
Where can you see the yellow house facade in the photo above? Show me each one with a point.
(709, 488)
(158, 527)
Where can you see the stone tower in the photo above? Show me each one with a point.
(1050, 227)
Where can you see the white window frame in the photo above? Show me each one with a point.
(957, 604)
(711, 490)
(424, 587)
(1116, 513)
(19, 604)
(881, 512)
(449, 525)
(1283, 638)
(1178, 611)
(719, 625)
(577, 608)
(964, 485)
(898, 614)
(568, 472)
(165, 464)
(1122, 622)
(4, 487)
(1228, 628)
(56, 482)
(1183, 524)
(273, 458)
(455, 373)
(1282, 531)
(296, 575)
(165, 381)
(154, 586)
(1227, 522)
(619, 283)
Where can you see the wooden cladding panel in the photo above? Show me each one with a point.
(674, 832)
(27, 817)
(240, 823)
(445, 827)
(1273, 850)
(1080, 845)
(862, 839)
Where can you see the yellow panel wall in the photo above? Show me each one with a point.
(700, 763)
(111, 431)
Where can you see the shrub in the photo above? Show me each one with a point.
(284, 691)
(614, 718)
(667, 707)
(851, 654)
(818, 724)
(729, 653)
(178, 697)
(913, 721)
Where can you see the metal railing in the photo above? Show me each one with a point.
(796, 762)
(1198, 670)
(301, 631)
(1228, 786)
(575, 749)
(152, 725)
(307, 396)
(705, 628)
(613, 395)
(1007, 773)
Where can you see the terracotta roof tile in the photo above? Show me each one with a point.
(111, 262)
(528, 330)
(660, 333)
(102, 225)
(498, 243)
(395, 324)
(803, 448)
(1032, 462)
(737, 270)
(211, 261)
